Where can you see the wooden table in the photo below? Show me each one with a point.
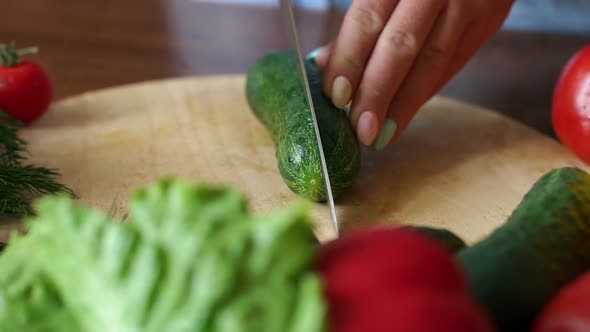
(91, 44)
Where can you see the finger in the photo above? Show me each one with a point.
(462, 56)
(429, 68)
(459, 61)
(473, 39)
(392, 58)
(360, 29)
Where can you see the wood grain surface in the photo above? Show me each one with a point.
(458, 166)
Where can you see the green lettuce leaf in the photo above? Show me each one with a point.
(187, 258)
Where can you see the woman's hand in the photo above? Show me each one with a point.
(391, 56)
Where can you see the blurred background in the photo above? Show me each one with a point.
(92, 44)
(568, 16)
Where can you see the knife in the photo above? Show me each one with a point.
(287, 10)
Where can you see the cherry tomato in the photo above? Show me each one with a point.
(571, 105)
(25, 88)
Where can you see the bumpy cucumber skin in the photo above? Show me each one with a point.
(277, 97)
(544, 245)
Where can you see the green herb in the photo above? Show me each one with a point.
(190, 258)
(21, 183)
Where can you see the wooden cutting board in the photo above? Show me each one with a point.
(458, 166)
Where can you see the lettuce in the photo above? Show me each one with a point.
(188, 258)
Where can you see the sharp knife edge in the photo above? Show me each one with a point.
(287, 4)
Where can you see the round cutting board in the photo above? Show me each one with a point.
(458, 166)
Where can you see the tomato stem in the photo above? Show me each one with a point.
(10, 56)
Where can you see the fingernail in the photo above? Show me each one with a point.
(367, 128)
(316, 57)
(313, 54)
(341, 91)
(387, 132)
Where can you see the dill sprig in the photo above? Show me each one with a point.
(12, 146)
(21, 183)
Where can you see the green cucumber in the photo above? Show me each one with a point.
(276, 96)
(543, 245)
(443, 236)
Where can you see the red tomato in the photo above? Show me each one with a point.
(25, 88)
(571, 105)
(569, 310)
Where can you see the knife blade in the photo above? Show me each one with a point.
(291, 27)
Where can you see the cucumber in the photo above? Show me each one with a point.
(276, 96)
(543, 245)
(443, 236)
